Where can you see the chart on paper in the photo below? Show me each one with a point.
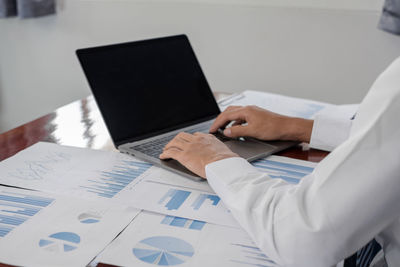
(159, 240)
(17, 208)
(163, 250)
(182, 202)
(289, 106)
(109, 183)
(73, 171)
(42, 229)
(292, 171)
(183, 222)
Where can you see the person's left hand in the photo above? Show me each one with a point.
(195, 151)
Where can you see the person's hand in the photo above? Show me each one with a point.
(252, 121)
(195, 151)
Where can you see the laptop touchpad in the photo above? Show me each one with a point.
(250, 148)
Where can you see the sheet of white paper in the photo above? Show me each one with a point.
(180, 201)
(123, 179)
(81, 172)
(41, 229)
(288, 169)
(170, 197)
(155, 239)
(285, 105)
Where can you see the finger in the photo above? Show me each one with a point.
(200, 134)
(238, 122)
(205, 135)
(213, 127)
(185, 136)
(230, 108)
(177, 142)
(237, 131)
(171, 153)
(226, 117)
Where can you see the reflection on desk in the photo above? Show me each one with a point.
(80, 124)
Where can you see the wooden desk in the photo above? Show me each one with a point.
(80, 124)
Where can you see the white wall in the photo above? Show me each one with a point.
(326, 54)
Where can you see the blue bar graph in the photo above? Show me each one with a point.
(4, 230)
(291, 173)
(176, 198)
(202, 197)
(112, 182)
(16, 208)
(183, 222)
(253, 256)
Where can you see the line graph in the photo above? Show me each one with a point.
(36, 169)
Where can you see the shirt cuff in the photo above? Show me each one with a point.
(222, 173)
(330, 130)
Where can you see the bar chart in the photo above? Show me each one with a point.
(110, 183)
(175, 198)
(251, 256)
(183, 222)
(290, 172)
(16, 208)
(202, 198)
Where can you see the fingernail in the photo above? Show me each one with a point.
(227, 131)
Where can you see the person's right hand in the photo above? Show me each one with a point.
(252, 121)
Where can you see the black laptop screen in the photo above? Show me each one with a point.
(148, 87)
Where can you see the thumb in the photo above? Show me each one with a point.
(237, 131)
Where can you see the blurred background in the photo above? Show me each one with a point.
(327, 50)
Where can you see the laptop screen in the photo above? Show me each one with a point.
(149, 87)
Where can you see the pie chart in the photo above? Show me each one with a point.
(163, 250)
(62, 241)
(89, 217)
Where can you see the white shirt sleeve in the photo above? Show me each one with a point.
(351, 196)
(331, 128)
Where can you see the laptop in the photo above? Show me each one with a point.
(149, 91)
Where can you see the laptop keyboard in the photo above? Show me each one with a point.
(155, 147)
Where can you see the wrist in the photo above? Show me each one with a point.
(221, 157)
(297, 129)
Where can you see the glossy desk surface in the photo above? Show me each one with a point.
(80, 124)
